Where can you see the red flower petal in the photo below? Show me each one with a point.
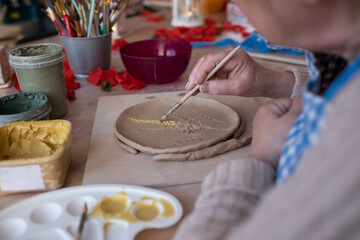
(16, 82)
(209, 21)
(146, 13)
(155, 19)
(160, 32)
(129, 82)
(95, 76)
(245, 34)
(109, 75)
(118, 43)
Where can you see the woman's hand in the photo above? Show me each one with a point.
(241, 76)
(272, 123)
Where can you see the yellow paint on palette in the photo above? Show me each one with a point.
(155, 122)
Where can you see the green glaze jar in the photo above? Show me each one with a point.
(24, 106)
(39, 68)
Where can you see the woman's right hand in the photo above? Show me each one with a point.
(240, 75)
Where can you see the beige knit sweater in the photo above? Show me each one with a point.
(321, 201)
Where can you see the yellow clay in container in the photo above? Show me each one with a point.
(34, 156)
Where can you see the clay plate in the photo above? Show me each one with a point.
(197, 124)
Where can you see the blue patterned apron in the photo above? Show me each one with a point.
(309, 125)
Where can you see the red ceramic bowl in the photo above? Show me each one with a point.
(156, 60)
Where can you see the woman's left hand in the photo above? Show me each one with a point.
(272, 123)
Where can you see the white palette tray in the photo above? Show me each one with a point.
(56, 215)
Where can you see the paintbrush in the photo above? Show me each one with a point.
(91, 17)
(53, 9)
(82, 222)
(118, 14)
(66, 18)
(192, 91)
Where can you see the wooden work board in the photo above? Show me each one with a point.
(108, 163)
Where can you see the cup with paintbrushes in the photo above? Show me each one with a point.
(85, 29)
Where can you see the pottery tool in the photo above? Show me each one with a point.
(192, 91)
(82, 222)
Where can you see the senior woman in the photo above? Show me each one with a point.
(307, 140)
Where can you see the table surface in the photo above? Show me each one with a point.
(82, 111)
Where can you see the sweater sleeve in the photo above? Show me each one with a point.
(227, 197)
(320, 201)
(301, 78)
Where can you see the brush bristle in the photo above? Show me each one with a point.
(163, 118)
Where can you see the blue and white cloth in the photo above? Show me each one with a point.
(255, 43)
(307, 129)
(309, 125)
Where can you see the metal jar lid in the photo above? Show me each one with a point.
(26, 106)
(36, 56)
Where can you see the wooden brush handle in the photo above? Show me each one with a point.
(215, 69)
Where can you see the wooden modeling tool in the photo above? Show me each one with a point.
(191, 92)
(82, 222)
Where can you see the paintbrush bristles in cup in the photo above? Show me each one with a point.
(192, 91)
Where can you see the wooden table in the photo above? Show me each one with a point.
(81, 114)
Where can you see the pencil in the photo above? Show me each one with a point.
(192, 91)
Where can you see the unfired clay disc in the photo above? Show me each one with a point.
(198, 123)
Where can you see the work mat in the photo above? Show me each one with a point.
(108, 163)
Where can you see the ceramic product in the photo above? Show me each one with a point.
(88, 54)
(156, 60)
(197, 124)
(56, 215)
(39, 68)
(24, 107)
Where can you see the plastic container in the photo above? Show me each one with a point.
(39, 68)
(156, 60)
(88, 54)
(24, 107)
(34, 156)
